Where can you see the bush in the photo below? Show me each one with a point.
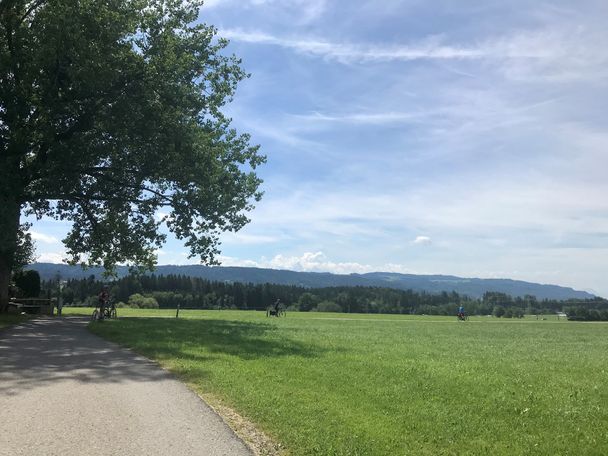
(307, 301)
(328, 306)
(90, 301)
(142, 302)
(498, 311)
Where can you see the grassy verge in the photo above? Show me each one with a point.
(385, 385)
(11, 319)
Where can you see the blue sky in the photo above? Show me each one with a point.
(465, 138)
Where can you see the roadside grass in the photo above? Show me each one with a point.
(9, 319)
(336, 384)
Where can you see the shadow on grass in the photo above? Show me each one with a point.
(51, 351)
(188, 339)
(9, 319)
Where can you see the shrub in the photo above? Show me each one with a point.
(307, 301)
(142, 302)
(90, 301)
(498, 311)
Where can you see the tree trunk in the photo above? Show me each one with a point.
(10, 212)
(5, 277)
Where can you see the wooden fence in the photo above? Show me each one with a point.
(33, 305)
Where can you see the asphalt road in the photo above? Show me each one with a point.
(66, 392)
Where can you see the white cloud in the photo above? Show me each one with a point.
(427, 49)
(559, 52)
(45, 238)
(50, 257)
(231, 261)
(422, 240)
(307, 262)
(313, 262)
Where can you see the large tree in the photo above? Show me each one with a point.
(110, 118)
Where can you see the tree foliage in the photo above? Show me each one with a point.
(28, 283)
(111, 114)
(25, 250)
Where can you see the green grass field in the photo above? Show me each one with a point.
(391, 385)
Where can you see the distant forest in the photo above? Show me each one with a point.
(196, 293)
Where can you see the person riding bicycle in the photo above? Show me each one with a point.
(103, 299)
(461, 312)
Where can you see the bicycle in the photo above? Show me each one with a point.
(109, 311)
(272, 311)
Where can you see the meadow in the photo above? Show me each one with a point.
(337, 384)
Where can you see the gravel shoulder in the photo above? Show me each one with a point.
(65, 391)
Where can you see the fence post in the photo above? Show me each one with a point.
(177, 312)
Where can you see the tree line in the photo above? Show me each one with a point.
(169, 291)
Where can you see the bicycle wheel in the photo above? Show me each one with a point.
(113, 313)
(95, 315)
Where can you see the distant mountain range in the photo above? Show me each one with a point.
(430, 283)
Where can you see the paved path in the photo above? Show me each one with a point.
(60, 386)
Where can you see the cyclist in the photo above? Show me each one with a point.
(104, 299)
(461, 312)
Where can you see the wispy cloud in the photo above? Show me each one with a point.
(45, 238)
(370, 118)
(427, 49)
(565, 53)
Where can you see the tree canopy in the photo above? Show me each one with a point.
(111, 119)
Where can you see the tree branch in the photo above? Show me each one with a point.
(143, 188)
(29, 11)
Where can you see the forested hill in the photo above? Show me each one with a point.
(474, 288)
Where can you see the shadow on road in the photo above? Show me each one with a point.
(47, 350)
